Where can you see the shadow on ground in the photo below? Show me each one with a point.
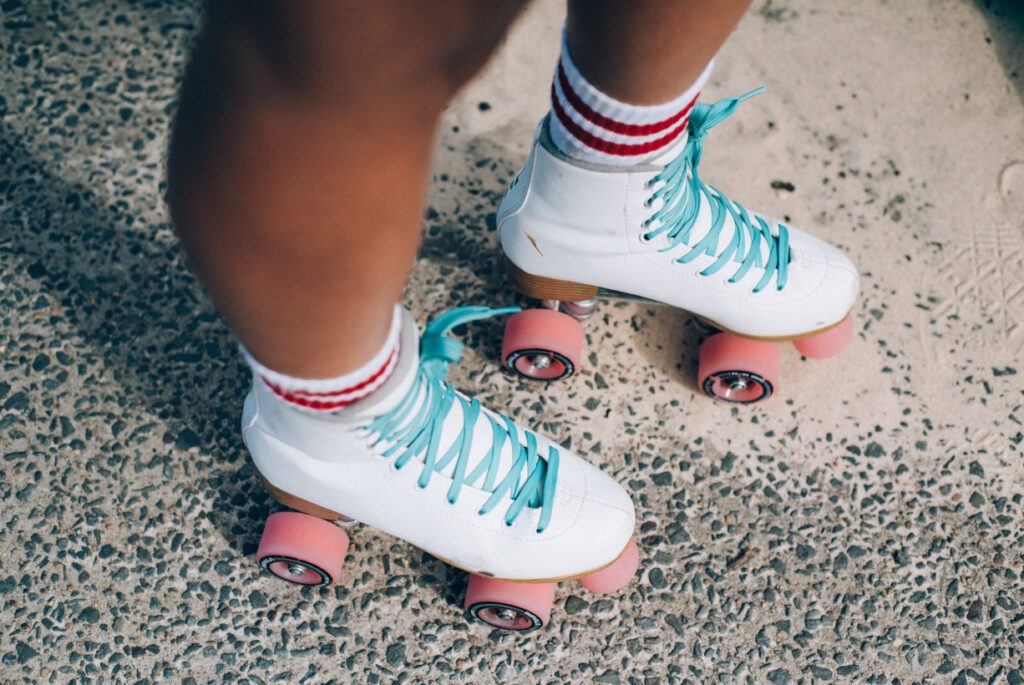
(1006, 22)
(123, 290)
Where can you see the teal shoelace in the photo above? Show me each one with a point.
(412, 431)
(683, 192)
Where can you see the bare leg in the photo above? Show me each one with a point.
(299, 163)
(648, 51)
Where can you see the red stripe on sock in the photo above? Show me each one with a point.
(344, 391)
(612, 125)
(310, 404)
(305, 399)
(607, 146)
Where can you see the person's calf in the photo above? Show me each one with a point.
(299, 163)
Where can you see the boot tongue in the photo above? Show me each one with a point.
(404, 380)
(464, 421)
(482, 443)
(704, 221)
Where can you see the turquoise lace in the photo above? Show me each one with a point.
(412, 431)
(683, 192)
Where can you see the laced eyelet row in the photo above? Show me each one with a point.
(407, 433)
(684, 198)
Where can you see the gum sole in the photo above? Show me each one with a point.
(298, 504)
(307, 507)
(544, 288)
(561, 579)
(779, 339)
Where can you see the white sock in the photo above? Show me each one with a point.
(332, 394)
(587, 125)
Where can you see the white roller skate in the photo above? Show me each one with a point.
(573, 232)
(423, 462)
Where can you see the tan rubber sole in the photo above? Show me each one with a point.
(298, 504)
(544, 288)
(306, 507)
(562, 579)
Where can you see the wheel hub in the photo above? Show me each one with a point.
(742, 387)
(738, 384)
(506, 616)
(293, 570)
(539, 364)
(540, 361)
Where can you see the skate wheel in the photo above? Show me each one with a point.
(738, 369)
(617, 574)
(828, 343)
(508, 604)
(542, 344)
(302, 549)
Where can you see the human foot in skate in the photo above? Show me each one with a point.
(574, 230)
(421, 461)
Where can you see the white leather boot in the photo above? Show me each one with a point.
(573, 231)
(425, 463)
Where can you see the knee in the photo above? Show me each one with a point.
(345, 52)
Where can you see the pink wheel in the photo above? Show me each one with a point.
(617, 574)
(542, 344)
(738, 369)
(828, 343)
(302, 549)
(508, 604)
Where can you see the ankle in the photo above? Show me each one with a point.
(336, 393)
(591, 126)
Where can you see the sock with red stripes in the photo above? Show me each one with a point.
(334, 394)
(589, 126)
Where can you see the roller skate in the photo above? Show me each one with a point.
(423, 462)
(573, 233)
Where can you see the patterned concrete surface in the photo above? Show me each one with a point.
(863, 526)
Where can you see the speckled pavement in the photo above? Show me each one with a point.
(865, 525)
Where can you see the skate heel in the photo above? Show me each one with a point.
(544, 288)
(298, 504)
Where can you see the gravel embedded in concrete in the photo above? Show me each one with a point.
(865, 525)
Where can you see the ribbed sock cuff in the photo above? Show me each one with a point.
(332, 394)
(591, 126)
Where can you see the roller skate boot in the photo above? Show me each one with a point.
(422, 462)
(574, 232)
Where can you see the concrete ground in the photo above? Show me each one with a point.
(865, 525)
